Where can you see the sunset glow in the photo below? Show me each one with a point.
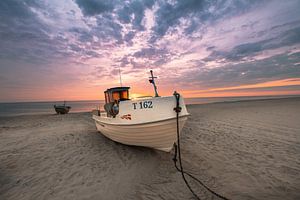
(74, 49)
(268, 88)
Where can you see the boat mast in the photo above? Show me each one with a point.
(151, 80)
(120, 76)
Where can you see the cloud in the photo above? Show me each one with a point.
(95, 7)
(273, 68)
(197, 13)
(23, 35)
(134, 13)
(129, 36)
(191, 43)
(150, 53)
(287, 38)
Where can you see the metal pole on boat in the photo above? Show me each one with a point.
(151, 80)
(120, 76)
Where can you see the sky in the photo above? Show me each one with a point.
(74, 49)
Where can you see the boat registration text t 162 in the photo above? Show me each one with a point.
(142, 105)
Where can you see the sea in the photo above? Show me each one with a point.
(32, 108)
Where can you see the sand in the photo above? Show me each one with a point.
(242, 150)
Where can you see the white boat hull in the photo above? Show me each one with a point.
(159, 135)
(149, 122)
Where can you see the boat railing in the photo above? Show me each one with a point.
(99, 113)
(103, 114)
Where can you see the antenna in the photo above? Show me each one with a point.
(120, 76)
(151, 80)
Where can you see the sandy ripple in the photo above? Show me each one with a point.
(243, 150)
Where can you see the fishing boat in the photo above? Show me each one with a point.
(62, 109)
(147, 121)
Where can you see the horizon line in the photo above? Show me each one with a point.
(52, 101)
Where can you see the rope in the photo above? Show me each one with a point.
(177, 109)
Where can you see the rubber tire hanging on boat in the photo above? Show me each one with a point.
(112, 108)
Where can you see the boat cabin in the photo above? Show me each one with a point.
(116, 94)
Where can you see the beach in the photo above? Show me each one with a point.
(242, 150)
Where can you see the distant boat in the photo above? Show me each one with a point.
(148, 121)
(62, 109)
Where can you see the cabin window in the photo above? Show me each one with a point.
(106, 97)
(124, 94)
(116, 96)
